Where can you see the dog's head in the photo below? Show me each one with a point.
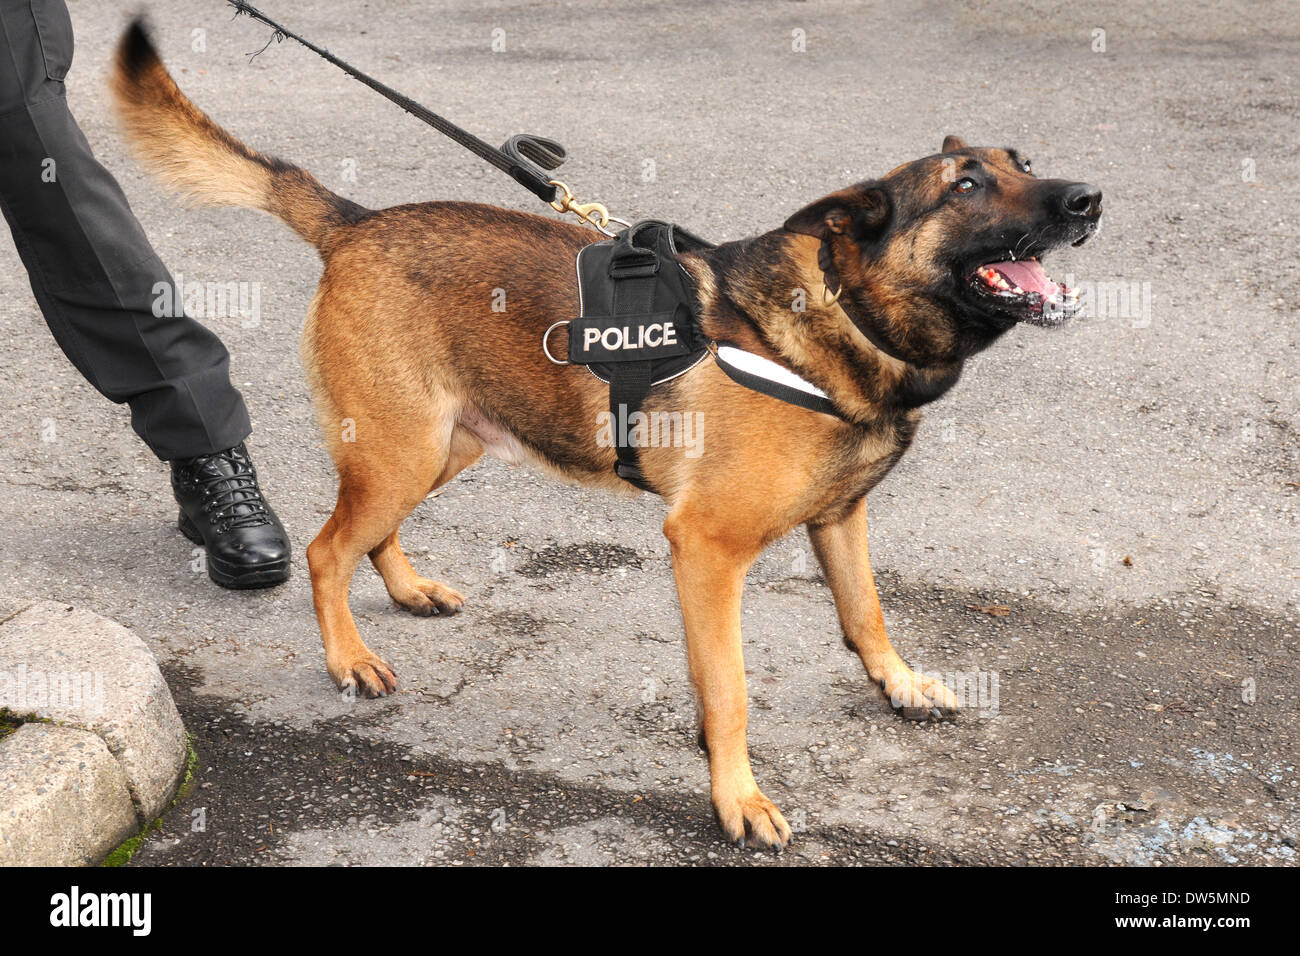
(957, 238)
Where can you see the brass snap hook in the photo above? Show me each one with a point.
(592, 213)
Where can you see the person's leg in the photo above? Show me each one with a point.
(93, 271)
(96, 278)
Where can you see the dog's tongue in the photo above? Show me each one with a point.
(1028, 274)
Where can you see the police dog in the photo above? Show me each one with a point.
(906, 277)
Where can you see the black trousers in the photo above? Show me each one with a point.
(92, 269)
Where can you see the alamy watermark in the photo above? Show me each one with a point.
(1122, 299)
(209, 300)
(652, 430)
(976, 691)
(25, 691)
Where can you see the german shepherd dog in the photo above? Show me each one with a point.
(904, 277)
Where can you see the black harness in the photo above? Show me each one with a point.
(639, 325)
(639, 322)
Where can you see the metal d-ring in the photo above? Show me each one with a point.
(622, 222)
(546, 335)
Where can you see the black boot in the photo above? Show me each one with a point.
(222, 508)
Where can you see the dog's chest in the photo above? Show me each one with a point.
(860, 458)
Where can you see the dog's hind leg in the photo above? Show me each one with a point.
(382, 478)
(417, 594)
(841, 547)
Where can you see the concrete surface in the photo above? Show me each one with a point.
(73, 667)
(1125, 488)
(63, 798)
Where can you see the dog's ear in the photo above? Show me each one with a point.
(860, 211)
(953, 143)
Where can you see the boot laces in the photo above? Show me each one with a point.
(235, 499)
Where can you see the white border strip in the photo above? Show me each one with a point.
(765, 368)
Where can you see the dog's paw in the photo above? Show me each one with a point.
(427, 598)
(752, 820)
(366, 676)
(918, 696)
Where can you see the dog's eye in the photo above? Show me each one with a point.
(964, 185)
(1027, 166)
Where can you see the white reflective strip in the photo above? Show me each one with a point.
(577, 269)
(766, 368)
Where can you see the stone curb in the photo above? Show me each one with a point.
(63, 798)
(111, 736)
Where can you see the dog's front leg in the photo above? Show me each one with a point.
(841, 547)
(710, 567)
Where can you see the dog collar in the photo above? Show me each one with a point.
(763, 375)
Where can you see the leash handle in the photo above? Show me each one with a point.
(515, 158)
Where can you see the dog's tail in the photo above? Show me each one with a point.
(191, 154)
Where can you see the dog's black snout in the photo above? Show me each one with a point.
(1081, 199)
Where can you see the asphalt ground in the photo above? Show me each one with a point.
(1102, 517)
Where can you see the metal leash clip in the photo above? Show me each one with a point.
(593, 214)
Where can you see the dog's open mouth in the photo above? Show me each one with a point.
(1022, 286)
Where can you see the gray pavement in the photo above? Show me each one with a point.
(1104, 516)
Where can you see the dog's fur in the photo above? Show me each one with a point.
(401, 339)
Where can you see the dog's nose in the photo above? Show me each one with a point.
(1081, 199)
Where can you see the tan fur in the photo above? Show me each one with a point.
(196, 158)
(402, 346)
